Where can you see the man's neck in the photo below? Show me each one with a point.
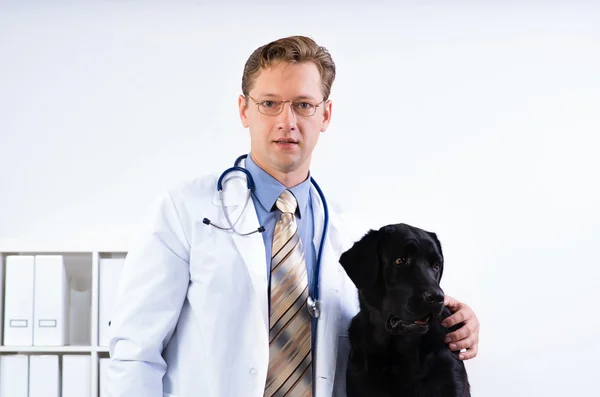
(290, 179)
(287, 179)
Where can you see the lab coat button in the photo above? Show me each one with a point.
(253, 371)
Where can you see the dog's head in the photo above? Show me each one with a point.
(397, 270)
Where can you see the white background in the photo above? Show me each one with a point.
(478, 122)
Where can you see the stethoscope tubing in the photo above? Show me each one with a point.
(313, 299)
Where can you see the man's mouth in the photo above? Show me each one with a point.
(286, 141)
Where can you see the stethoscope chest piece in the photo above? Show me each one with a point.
(313, 307)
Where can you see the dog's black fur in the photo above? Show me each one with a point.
(397, 270)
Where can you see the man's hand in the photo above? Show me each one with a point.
(467, 337)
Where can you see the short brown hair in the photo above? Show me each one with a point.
(293, 49)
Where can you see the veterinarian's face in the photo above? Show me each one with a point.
(284, 142)
(411, 266)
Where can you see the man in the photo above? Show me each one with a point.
(202, 311)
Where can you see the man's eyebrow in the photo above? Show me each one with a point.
(262, 94)
(298, 98)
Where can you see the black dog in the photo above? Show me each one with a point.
(397, 341)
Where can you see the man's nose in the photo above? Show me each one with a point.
(287, 117)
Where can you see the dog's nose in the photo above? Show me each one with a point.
(433, 298)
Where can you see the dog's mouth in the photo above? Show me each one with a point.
(424, 320)
(395, 321)
(395, 325)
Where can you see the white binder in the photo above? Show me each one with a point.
(51, 298)
(1, 296)
(109, 273)
(76, 376)
(102, 368)
(14, 374)
(80, 304)
(18, 301)
(43, 376)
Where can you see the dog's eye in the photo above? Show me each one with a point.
(436, 266)
(401, 261)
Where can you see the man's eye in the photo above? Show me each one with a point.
(268, 104)
(304, 105)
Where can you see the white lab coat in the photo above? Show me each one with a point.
(191, 312)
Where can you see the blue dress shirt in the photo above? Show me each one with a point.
(264, 195)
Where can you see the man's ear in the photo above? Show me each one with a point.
(361, 261)
(439, 247)
(243, 108)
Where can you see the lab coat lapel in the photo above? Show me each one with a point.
(328, 323)
(251, 248)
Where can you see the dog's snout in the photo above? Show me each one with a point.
(433, 298)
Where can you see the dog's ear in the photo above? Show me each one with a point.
(439, 247)
(361, 261)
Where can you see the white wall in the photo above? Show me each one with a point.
(478, 122)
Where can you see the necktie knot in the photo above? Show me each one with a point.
(286, 202)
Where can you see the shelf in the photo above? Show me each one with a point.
(46, 349)
(72, 246)
(53, 349)
(83, 261)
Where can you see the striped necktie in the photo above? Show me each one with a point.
(290, 357)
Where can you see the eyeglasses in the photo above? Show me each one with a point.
(273, 108)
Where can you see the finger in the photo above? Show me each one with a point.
(469, 354)
(469, 329)
(473, 325)
(456, 318)
(466, 343)
(458, 335)
(450, 302)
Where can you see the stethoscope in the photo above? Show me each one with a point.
(312, 302)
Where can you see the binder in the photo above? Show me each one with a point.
(50, 302)
(18, 301)
(1, 297)
(14, 374)
(43, 376)
(76, 376)
(109, 273)
(80, 304)
(102, 368)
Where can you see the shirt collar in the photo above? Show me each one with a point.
(267, 189)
